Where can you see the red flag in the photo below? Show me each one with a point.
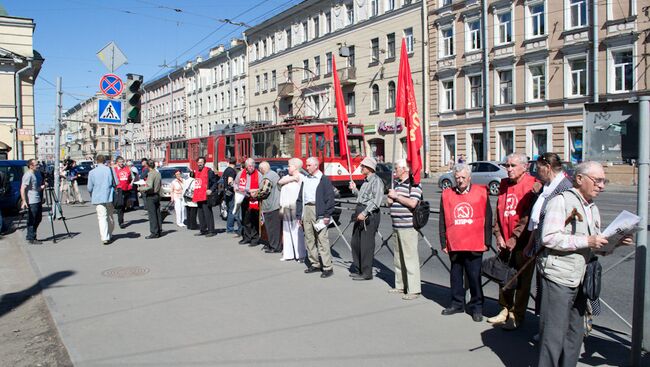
(406, 108)
(341, 114)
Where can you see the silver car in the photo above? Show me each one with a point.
(167, 177)
(483, 173)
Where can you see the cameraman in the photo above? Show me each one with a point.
(72, 176)
(65, 185)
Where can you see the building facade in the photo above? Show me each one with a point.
(45, 149)
(19, 68)
(83, 138)
(541, 70)
(291, 58)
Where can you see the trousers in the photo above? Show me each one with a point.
(317, 243)
(34, 217)
(516, 300)
(179, 210)
(120, 210)
(105, 220)
(206, 217)
(363, 244)
(469, 263)
(250, 223)
(152, 204)
(273, 225)
(406, 260)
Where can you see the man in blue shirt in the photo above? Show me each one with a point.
(101, 184)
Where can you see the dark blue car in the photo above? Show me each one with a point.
(10, 201)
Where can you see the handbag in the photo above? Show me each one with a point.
(591, 282)
(497, 270)
(118, 195)
(188, 195)
(421, 211)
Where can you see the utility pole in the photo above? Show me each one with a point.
(641, 300)
(57, 136)
(486, 84)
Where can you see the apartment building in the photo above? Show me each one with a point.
(45, 149)
(291, 62)
(83, 138)
(163, 116)
(216, 89)
(541, 70)
(20, 65)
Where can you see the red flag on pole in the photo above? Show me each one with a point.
(406, 108)
(341, 115)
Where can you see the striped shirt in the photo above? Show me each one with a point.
(403, 216)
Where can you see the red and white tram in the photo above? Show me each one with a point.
(275, 143)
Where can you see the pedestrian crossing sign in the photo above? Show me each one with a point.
(109, 111)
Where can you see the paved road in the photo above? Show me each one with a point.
(185, 300)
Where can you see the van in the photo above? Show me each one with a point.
(14, 170)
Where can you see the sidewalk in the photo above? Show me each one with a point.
(184, 300)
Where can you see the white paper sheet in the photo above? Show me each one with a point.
(623, 225)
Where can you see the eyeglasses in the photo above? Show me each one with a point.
(598, 181)
(509, 165)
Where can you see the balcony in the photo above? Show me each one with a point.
(286, 90)
(348, 75)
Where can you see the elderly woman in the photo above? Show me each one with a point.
(192, 207)
(292, 235)
(177, 198)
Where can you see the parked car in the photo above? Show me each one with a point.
(14, 170)
(567, 167)
(385, 172)
(83, 169)
(166, 178)
(486, 173)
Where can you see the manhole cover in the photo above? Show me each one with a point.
(125, 272)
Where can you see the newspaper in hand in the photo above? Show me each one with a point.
(320, 225)
(625, 224)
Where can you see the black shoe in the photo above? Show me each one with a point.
(201, 234)
(327, 273)
(352, 275)
(152, 236)
(269, 251)
(361, 277)
(451, 310)
(311, 269)
(253, 244)
(211, 234)
(243, 241)
(35, 242)
(122, 225)
(477, 316)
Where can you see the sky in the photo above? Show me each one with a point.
(151, 33)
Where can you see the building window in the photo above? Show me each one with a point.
(266, 113)
(328, 22)
(447, 41)
(259, 115)
(305, 69)
(349, 10)
(537, 82)
(447, 95)
(374, 50)
(506, 144)
(375, 98)
(329, 62)
(374, 8)
(274, 81)
(475, 91)
(317, 65)
(577, 78)
(257, 84)
(265, 86)
(264, 54)
(504, 28)
(288, 37)
(350, 103)
(623, 73)
(235, 101)
(305, 32)
(449, 150)
(536, 20)
(473, 33)
(505, 86)
(390, 5)
(390, 45)
(577, 13)
(575, 144)
(272, 50)
(391, 96)
(408, 34)
(351, 57)
(316, 27)
(539, 142)
(289, 73)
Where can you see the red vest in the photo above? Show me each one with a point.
(200, 185)
(465, 219)
(514, 201)
(123, 178)
(252, 202)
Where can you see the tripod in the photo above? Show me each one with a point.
(55, 206)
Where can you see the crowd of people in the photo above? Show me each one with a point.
(550, 222)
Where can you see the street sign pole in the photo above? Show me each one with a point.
(641, 300)
(57, 136)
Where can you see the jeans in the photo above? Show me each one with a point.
(230, 221)
(34, 216)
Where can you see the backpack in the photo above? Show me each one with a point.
(420, 212)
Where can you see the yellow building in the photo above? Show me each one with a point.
(19, 68)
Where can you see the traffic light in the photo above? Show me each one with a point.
(133, 97)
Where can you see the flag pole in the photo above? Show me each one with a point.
(392, 171)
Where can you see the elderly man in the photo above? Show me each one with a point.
(248, 182)
(31, 187)
(269, 193)
(151, 192)
(101, 182)
(516, 198)
(315, 206)
(366, 220)
(570, 231)
(123, 187)
(204, 185)
(465, 233)
(402, 200)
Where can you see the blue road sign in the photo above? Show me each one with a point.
(109, 111)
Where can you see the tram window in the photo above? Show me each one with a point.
(303, 145)
(230, 146)
(322, 145)
(287, 140)
(203, 148)
(258, 144)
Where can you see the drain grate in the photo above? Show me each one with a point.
(125, 272)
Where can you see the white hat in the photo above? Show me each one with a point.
(370, 163)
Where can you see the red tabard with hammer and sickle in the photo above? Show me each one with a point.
(514, 200)
(465, 219)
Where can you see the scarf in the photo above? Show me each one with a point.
(546, 192)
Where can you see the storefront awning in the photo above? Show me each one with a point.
(5, 147)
